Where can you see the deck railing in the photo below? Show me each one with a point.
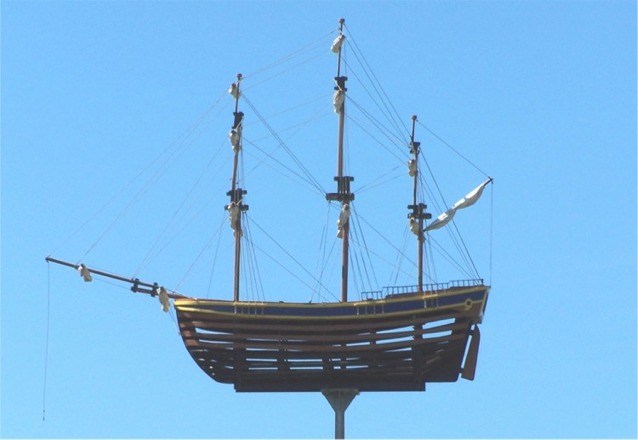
(390, 291)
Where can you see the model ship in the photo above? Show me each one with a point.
(395, 339)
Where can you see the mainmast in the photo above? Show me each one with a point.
(343, 194)
(418, 213)
(236, 205)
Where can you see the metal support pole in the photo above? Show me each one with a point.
(339, 399)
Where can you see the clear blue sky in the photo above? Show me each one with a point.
(541, 95)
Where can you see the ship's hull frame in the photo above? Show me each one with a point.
(397, 343)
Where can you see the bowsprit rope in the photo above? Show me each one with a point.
(46, 345)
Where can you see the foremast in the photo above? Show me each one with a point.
(236, 206)
(343, 194)
(418, 213)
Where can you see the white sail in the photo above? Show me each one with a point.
(472, 197)
(442, 220)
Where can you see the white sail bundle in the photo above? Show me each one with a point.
(233, 90)
(415, 227)
(337, 100)
(233, 218)
(234, 136)
(412, 167)
(343, 219)
(470, 199)
(337, 43)
(163, 299)
(85, 273)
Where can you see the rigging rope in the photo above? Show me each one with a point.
(318, 281)
(436, 185)
(322, 258)
(254, 274)
(466, 255)
(319, 42)
(392, 114)
(165, 232)
(400, 257)
(322, 112)
(430, 262)
(301, 63)
(400, 252)
(179, 145)
(447, 256)
(212, 268)
(452, 148)
(307, 176)
(189, 271)
(378, 182)
(272, 158)
(363, 245)
(378, 125)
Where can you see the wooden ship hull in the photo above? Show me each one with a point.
(393, 344)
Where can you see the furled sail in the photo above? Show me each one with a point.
(470, 199)
(234, 136)
(337, 100)
(415, 227)
(343, 219)
(337, 43)
(234, 91)
(85, 273)
(412, 167)
(163, 299)
(233, 217)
